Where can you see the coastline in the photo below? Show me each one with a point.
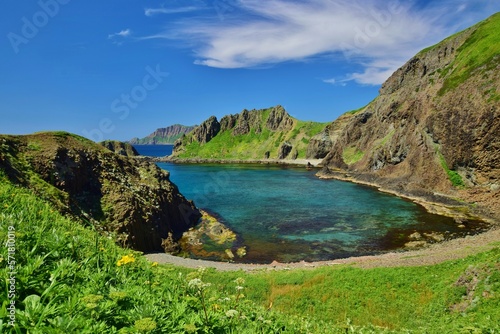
(315, 163)
(433, 254)
(437, 203)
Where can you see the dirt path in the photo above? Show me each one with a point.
(433, 254)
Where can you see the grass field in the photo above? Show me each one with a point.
(69, 279)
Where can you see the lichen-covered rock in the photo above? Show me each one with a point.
(130, 199)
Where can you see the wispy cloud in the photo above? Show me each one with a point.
(154, 11)
(122, 33)
(379, 36)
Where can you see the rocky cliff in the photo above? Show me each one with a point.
(132, 200)
(163, 136)
(251, 134)
(435, 126)
(121, 148)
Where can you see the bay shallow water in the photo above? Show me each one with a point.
(287, 214)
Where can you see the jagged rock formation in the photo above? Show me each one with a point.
(163, 136)
(120, 148)
(207, 130)
(132, 200)
(256, 134)
(279, 120)
(435, 125)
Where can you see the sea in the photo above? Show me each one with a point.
(287, 214)
(154, 150)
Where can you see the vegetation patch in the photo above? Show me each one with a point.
(479, 52)
(352, 154)
(453, 176)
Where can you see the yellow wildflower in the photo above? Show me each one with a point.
(154, 264)
(125, 260)
(145, 324)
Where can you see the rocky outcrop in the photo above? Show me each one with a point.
(433, 128)
(247, 120)
(207, 130)
(132, 200)
(285, 150)
(163, 136)
(228, 122)
(322, 143)
(120, 148)
(279, 120)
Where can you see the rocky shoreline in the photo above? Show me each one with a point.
(430, 255)
(312, 163)
(433, 202)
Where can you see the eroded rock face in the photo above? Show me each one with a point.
(246, 121)
(417, 127)
(228, 122)
(207, 130)
(279, 120)
(133, 199)
(285, 150)
(321, 144)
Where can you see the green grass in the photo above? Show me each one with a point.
(453, 176)
(480, 51)
(70, 279)
(428, 299)
(351, 155)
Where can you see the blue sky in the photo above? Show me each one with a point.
(118, 69)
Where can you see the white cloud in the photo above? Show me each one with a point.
(122, 33)
(380, 36)
(154, 11)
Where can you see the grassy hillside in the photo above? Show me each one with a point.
(255, 144)
(69, 279)
(480, 52)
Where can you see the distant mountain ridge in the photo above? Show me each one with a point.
(163, 136)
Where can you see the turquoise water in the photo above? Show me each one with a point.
(288, 214)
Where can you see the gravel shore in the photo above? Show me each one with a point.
(430, 255)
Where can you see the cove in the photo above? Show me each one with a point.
(287, 214)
